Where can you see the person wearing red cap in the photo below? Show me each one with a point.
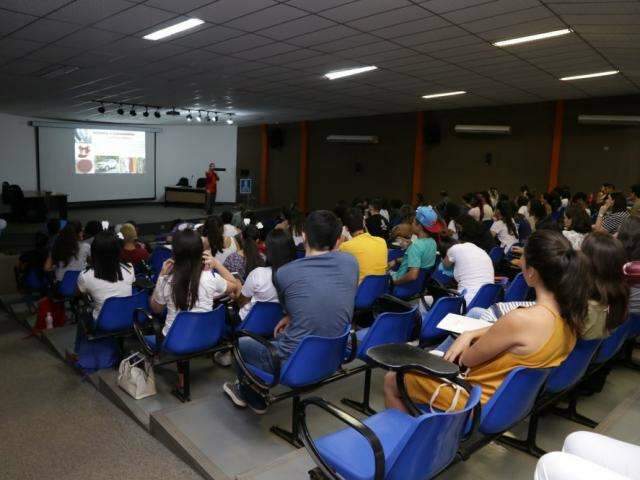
(421, 254)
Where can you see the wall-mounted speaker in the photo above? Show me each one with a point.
(432, 134)
(488, 158)
(358, 168)
(244, 173)
(276, 138)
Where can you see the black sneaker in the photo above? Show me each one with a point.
(232, 389)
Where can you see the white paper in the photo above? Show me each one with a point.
(459, 323)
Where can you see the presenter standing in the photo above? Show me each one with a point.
(211, 187)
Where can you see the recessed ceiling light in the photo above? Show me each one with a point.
(349, 71)
(591, 75)
(444, 94)
(173, 29)
(533, 38)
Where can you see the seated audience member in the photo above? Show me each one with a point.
(609, 300)
(132, 252)
(32, 260)
(577, 225)
(504, 227)
(247, 257)
(317, 293)
(541, 336)
(53, 228)
(480, 209)
(542, 219)
(187, 282)
(220, 245)
(629, 235)
(450, 212)
(339, 211)
(553, 205)
(370, 252)
(612, 213)
(523, 208)
(421, 254)
(228, 230)
(470, 230)
(494, 197)
(377, 224)
(634, 198)
(91, 229)
(472, 267)
(68, 253)
(108, 276)
(581, 199)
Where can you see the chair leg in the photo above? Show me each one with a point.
(571, 413)
(293, 436)
(528, 445)
(183, 389)
(364, 406)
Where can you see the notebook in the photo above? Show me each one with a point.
(459, 323)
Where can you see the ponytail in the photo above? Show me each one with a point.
(253, 259)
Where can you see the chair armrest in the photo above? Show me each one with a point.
(275, 359)
(138, 328)
(351, 422)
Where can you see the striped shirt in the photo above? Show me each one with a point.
(612, 221)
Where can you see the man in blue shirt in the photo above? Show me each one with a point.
(317, 293)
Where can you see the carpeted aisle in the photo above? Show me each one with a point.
(56, 427)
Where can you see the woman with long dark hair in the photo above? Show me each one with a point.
(540, 336)
(470, 230)
(187, 281)
(609, 300)
(247, 257)
(220, 245)
(504, 227)
(612, 213)
(107, 276)
(629, 235)
(69, 253)
(577, 225)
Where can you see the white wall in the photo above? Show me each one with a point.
(181, 151)
(185, 151)
(17, 152)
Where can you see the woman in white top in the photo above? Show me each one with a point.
(221, 247)
(504, 227)
(577, 225)
(472, 268)
(259, 286)
(478, 205)
(187, 281)
(68, 253)
(106, 277)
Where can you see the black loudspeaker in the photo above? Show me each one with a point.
(276, 138)
(488, 158)
(432, 134)
(358, 168)
(244, 172)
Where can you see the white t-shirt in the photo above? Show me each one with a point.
(211, 286)
(385, 213)
(100, 290)
(487, 213)
(222, 256)
(524, 211)
(500, 230)
(229, 230)
(453, 229)
(575, 238)
(259, 288)
(472, 268)
(77, 263)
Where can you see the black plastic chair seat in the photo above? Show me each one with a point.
(397, 356)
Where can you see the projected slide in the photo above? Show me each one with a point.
(100, 152)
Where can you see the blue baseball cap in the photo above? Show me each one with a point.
(428, 218)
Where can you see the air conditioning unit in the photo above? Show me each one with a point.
(609, 119)
(484, 129)
(352, 139)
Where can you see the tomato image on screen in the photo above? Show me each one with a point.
(108, 152)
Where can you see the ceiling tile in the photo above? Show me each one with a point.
(201, 38)
(89, 38)
(11, 21)
(135, 19)
(266, 18)
(344, 43)
(33, 7)
(389, 18)
(362, 8)
(489, 10)
(89, 11)
(224, 10)
(315, 5)
(294, 28)
(45, 30)
(14, 47)
(238, 44)
(413, 27)
(178, 6)
(431, 36)
(54, 53)
(323, 36)
(266, 51)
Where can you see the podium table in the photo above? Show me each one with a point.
(184, 195)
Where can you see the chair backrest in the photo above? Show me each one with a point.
(513, 400)
(117, 312)
(395, 253)
(314, 359)
(613, 343)
(35, 279)
(569, 372)
(67, 287)
(201, 182)
(388, 327)
(158, 257)
(496, 254)
(410, 289)
(371, 288)
(634, 326)
(193, 332)
(433, 444)
(438, 311)
(262, 318)
(486, 296)
(518, 290)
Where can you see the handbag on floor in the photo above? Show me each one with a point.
(136, 376)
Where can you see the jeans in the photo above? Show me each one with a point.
(210, 201)
(256, 354)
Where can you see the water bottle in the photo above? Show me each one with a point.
(49, 321)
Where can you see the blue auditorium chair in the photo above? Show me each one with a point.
(430, 334)
(66, 292)
(486, 296)
(392, 444)
(517, 290)
(191, 335)
(158, 256)
(370, 289)
(411, 289)
(496, 254)
(315, 362)
(387, 328)
(561, 380)
(116, 317)
(262, 318)
(394, 254)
